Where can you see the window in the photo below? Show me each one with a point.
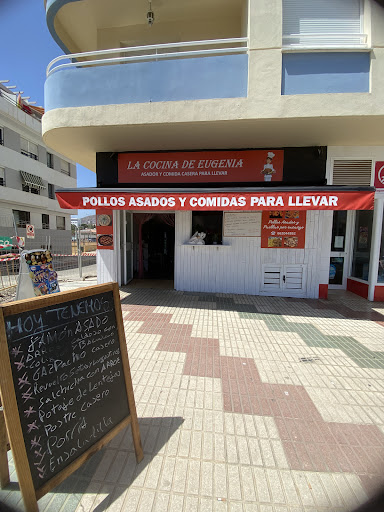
(51, 191)
(338, 230)
(50, 160)
(32, 190)
(1, 137)
(21, 218)
(65, 167)
(210, 223)
(362, 244)
(45, 221)
(60, 222)
(28, 148)
(2, 177)
(329, 23)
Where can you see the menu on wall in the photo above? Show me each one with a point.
(242, 224)
(65, 381)
(283, 229)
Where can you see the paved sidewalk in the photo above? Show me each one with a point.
(245, 404)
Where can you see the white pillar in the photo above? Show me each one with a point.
(377, 224)
(116, 239)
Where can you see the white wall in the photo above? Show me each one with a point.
(236, 268)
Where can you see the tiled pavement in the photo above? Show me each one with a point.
(245, 404)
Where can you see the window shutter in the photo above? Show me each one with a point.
(352, 172)
(294, 277)
(23, 144)
(272, 277)
(328, 23)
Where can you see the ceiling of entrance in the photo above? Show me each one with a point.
(77, 23)
(82, 143)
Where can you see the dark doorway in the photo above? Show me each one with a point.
(158, 238)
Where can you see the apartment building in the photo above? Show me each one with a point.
(30, 172)
(258, 123)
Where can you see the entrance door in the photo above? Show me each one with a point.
(126, 237)
(159, 247)
(340, 250)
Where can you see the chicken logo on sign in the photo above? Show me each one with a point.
(379, 175)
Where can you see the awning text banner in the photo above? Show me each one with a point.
(116, 200)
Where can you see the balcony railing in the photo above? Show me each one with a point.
(151, 53)
(28, 109)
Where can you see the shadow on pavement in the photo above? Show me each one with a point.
(114, 467)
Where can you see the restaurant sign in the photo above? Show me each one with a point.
(379, 175)
(223, 201)
(201, 166)
(283, 229)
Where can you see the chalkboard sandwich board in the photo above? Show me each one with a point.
(65, 383)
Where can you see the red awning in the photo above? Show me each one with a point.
(257, 199)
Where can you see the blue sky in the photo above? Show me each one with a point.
(27, 49)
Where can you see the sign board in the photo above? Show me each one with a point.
(213, 201)
(36, 274)
(283, 229)
(65, 383)
(20, 241)
(379, 175)
(201, 166)
(30, 230)
(6, 242)
(242, 224)
(104, 229)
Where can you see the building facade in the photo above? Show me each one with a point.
(259, 124)
(30, 172)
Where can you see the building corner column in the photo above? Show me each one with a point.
(377, 224)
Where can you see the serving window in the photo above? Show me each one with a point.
(210, 223)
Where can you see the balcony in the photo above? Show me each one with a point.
(194, 70)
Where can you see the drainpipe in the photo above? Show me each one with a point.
(375, 246)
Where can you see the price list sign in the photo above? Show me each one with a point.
(65, 383)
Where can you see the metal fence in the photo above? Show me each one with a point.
(73, 258)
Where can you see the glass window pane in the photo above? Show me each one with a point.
(338, 231)
(336, 271)
(60, 222)
(45, 221)
(210, 223)
(33, 148)
(23, 144)
(362, 244)
(65, 167)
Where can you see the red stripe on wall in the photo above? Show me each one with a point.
(358, 288)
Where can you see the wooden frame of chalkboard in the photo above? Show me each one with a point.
(65, 383)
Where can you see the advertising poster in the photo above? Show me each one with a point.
(104, 229)
(283, 229)
(202, 166)
(41, 272)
